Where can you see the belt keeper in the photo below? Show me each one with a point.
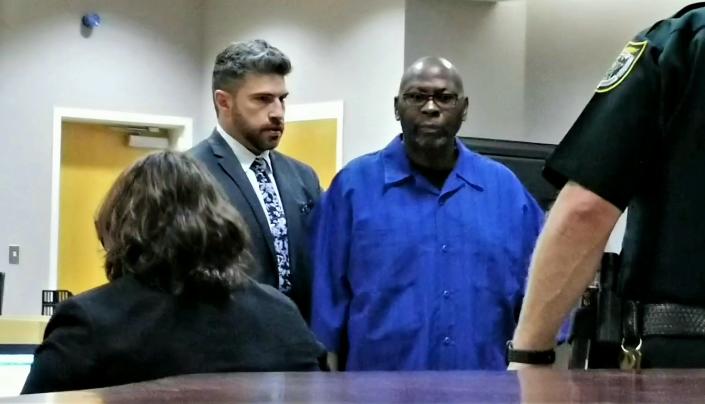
(631, 319)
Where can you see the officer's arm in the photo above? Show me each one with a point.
(565, 261)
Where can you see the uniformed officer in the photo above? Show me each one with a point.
(639, 143)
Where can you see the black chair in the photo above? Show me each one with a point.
(2, 288)
(51, 298)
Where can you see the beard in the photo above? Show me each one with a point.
(260, 137)
(428, 139)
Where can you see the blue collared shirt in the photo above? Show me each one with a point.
(414, 277)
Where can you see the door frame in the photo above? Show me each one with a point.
(181, 129)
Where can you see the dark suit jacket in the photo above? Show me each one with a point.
(299, 190)
(126, 332)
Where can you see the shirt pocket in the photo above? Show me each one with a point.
(392, 313)
(381, 259)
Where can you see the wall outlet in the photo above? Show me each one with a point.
(14, 255)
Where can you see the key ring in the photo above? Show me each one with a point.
(637, 348)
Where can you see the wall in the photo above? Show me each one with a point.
(142, 59)
(528, 66)
(485, 41)
(350, 50)
(570, 45)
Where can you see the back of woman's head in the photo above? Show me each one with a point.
(166, 221)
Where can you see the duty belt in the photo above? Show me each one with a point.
(648, 320)
(670, 319)
(663, 319)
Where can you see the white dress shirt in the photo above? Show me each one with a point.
(246, 158)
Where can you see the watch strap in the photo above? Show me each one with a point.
(530, 357)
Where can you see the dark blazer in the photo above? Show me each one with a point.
(299, 190)
(126, 332)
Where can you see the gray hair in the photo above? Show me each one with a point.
(255, 56)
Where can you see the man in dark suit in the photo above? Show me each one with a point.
(273, 193)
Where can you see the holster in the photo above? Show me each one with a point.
(597, 331)
(605, 323)
(608, 327)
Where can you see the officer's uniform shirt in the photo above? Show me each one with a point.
(640, 142)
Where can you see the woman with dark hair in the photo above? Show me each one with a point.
(178, 300)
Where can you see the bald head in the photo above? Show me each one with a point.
(431, 108)
(429, 67)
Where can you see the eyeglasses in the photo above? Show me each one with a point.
(442, 100)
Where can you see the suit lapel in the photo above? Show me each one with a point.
(231, 165)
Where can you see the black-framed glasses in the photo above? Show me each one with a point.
(442, 100)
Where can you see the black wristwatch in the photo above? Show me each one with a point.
(530, 357)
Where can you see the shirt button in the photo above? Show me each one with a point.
(444, 247)
(441, 202)
(446, 294)
(446, 341)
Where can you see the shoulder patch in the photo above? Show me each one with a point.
(622, 66)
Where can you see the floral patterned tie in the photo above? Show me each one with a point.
(277, 222)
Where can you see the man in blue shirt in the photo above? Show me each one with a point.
(421, 249)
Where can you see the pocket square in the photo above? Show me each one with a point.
(305, 208)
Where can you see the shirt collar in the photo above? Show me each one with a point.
(243, 154)
(397, 166)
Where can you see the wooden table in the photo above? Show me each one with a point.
(530, 385)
